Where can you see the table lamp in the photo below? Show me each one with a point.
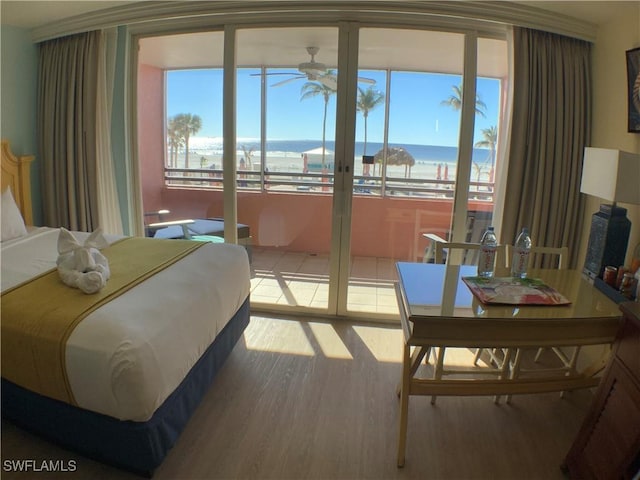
(612, 175)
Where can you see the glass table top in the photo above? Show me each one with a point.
(431, 290)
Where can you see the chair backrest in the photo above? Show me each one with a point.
(468, 253)
(477, 224)
(547, 257)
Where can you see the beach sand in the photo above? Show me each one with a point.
(291, 162)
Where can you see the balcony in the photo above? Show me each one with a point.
(289, 215)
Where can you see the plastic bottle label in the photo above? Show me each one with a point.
(486, 260)
(520, 261)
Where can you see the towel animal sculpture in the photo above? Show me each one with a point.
(83, 266)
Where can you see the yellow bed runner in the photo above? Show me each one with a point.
(39, 316)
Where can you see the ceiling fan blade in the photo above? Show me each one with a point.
(366, 80)
(283, 82)
(274, 73)
(329, 81)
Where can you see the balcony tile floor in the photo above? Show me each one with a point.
(302, 279)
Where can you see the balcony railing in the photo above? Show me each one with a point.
(322, 183)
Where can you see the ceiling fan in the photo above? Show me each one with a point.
(315, 71)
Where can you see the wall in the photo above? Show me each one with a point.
(389, 227)
(18, 91)
(609, 126)
(151, 136)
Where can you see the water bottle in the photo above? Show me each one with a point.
(521, 250)
(487, 258)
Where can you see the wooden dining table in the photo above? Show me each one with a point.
(439, 311)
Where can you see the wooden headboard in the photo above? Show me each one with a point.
(16, 173)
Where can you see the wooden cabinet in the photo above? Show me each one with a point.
(608, 443)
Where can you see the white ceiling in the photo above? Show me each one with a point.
(31, 14)
(285, 47)
(409, 50)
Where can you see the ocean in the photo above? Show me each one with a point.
(285, 155)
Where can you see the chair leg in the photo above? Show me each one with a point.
(515, 368)
(570, 363)
(493, 357)
(537, 357)
(437, 374)
(476, 358)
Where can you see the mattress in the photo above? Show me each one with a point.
(127, 357)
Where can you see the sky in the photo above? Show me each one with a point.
(416, 113)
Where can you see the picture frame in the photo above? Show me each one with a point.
(633, 89)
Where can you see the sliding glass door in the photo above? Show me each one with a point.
(352, 143)
(414, 151)
(286, 124)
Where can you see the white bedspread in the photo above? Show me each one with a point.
(126, 358)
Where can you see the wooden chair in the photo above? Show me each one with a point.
(548, 257)
(462, 253)
(508, 360)
(554, 258)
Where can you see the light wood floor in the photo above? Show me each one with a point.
(308, 399)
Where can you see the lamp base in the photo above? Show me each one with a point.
(608, 240)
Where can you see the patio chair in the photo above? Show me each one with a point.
(477, 223)
(206, 229)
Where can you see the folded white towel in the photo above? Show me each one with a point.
(83, 266)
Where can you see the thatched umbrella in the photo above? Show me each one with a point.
(396, 156)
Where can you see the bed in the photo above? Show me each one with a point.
(138, 364)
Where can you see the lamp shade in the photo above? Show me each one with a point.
(611, 174)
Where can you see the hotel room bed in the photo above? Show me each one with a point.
(138, 365)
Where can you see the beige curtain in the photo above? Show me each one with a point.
(74, 117)
(550, 128)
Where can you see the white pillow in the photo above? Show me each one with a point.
(12, 221)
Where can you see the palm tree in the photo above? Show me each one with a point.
(175, 139)
(478, 168)
(248, 153)
(489, 140)
(188, 124)
(313, 89)
(455, 101)
(368, 100)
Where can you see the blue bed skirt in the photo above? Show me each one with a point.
(139, 447)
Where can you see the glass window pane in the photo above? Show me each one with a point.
(293, 89)
(490, 94)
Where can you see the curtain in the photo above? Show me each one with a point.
(550, 129)
(73, 134)
(108, 204)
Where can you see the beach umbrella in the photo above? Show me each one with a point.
(396, 156)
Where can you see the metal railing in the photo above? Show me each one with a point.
(322, 183)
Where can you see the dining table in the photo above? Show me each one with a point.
(439, 311)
